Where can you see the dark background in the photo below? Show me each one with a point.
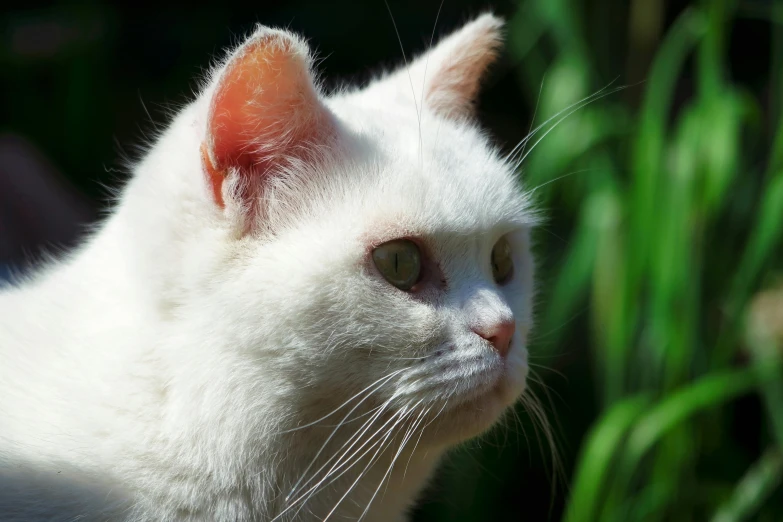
(84, 84)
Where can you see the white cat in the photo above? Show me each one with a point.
(299, 303)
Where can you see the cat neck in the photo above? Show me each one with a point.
(280, 449)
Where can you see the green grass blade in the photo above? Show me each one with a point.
(755, 487)
(676, 407)
(600, 451)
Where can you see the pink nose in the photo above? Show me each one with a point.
(499, 334)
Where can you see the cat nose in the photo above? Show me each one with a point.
(499, 334)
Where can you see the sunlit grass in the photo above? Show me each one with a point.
(666, 259)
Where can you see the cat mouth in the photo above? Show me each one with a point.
(479, 406)
(502, 383)
(474, 413)
(468, 395)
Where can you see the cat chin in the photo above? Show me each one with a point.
(477, 415)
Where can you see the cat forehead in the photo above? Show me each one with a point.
(426, 172)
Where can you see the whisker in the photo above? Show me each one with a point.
(349, 421)
(372, 461)
(307, 495)
(350, 443)
(529, 405)
(568, 174)
(538, 414)
(378, 446)
(548, 390)
(342, 460)
(518, 422)
(546, 229)
(535, 113)
(565, 117)
(331, 435)
(422, 433)
(386, 475)
(427, 62)
(424, 78)
(587, 99)
(568, 321)
(407, 67)
(406, 438)
(386, 377)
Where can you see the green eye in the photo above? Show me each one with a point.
(502, 264)
(399, 261)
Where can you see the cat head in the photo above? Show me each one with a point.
(375, 247)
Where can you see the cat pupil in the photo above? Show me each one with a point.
(399, 262)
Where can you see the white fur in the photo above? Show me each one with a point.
(160, 371)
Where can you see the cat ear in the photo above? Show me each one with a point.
(265, 113)
(447, 78)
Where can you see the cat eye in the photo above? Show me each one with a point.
(399, 262)
(502, 264)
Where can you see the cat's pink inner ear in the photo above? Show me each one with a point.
(458, 64)
(265, 110)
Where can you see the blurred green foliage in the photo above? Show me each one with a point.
(666, 256)
(664, 205)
